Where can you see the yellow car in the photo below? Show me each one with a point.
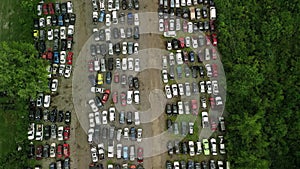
(100, 79)
(36, 34)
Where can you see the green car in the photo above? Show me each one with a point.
(205, 146)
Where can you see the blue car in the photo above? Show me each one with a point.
(125, 153)
(60, 20)
(101, 16)
(56, 58)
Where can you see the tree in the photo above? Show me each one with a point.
(22, 73)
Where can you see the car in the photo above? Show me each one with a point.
(124, 48)
(205, 121)
(214, 39)
(222, 123)
(107, 19)
(132, 153)
(169, 45)
(136, 48)
(187, 41)
(194, 107)
(222, 145)
(60, 131)
(174, 90)
(165, 76)
(66, 149)
(108, 77)
(213, 143)
(161, 25)
(139, 135)
(136, 64)
(179, 59)
(169, 165)
(94, 154)
(214, 70)
(136, 94)
(59, 151)
(115, 97)
(170, 147)
(123, 99)
(220, 165)
(92, 103)
(104, 117)
(168, 91)
(130, 18)
(39, 152)
(112, 114)
(125, 152)
(136, 84)
(187, 89)
(130, 63)
(219, 101)
(206, 147)
(191, 148)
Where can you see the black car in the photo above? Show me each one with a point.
(183, 164)
(175, 44)
(67, 19)
(136, 32)
(197, 165)
(31, 150)
(31, 115)
(36, 23)
(184, 148)
(60, 116)
(201, 71)
(192, 56)
(38, 114)
(194, 71)
(124, 4)
(42, 46)
(63, 45)
(55, 45)
(169, 165)
(102, 35)
(169, 125)
(204, 12)
(110, 63)
(128, 32)
(206, 25)
(108, 77)
(47, 132)
(200, 26)
(72, 19)
(46, 150)
(136, 83)
(168, 109)
(204, 165)
(130, 81)
(98, 102)
(160, 13)
(52, 165)
(117, 48)
(136, 4)
(103, 49)
(172, 12)
(129, 117)
(57, 7)
(191, 164)
(166, 13)
(174, 109)
(68, 117)
(53, 115)
(185, 13)
(63, 8)
(116, 33)
(178, 12)
(67, 163)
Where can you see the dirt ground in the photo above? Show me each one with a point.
(150, 79)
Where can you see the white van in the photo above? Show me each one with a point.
(119, 151)
(114, 17)
(213, 13)
(137, 118)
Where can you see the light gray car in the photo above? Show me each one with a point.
(93, 50)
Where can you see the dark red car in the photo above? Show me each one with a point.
(51, 9)
(185, 26)
(194, 107)
(59, 151)
(116, 77)
(45, 9)
(181, 42)
(214, 70)
(214, 39)
(166, 25)
(91, 66)
(105, 96)
(214, 53)
(69, 58)
(66, 150)
(39, 152)
(213, 125)
(123, 99)
(115, 97)
(212, 102)
(212, 25)
(66, 132)
(140, 155)
(49, 54)
(207, 39)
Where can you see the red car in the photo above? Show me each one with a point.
(45, 9)
(116, 77)
(39, 152)
(212, 102)
(214, 53)
(49, 54)
(115, 97)
(105, 96)
(66, 150)
(69, 58)
(214, 70)
(132, 166)
(91, 66)
(59, 151)
(50, 8)
(215, 39)
(140, 155)
(207, 40)
(213, 126)
(185, 26)
(166, 25)
(123, 99)
(181, 42)
(194, 107)
(66, 133)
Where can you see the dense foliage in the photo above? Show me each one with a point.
(259, 43)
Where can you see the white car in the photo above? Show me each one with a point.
(71, 30)
(101, 151)
(54, 85)
(139, 135)
(165, 76)
(110, 5)
(215, 87)
(42, 22)
(47, 100)
(50, 34)
(126, 133)
(191, 128)
(202, 87)
(176, 165)
(69, 7)
(102, 5)
(136, 19)
(169, 45)
(107, 34)
(92, 120)
(161, 25)
(48, 21)
(208, 86)
(213, 143)
(172, 25)
(168, 91)
(117, 5)
(39, 9)
(187, 89)
(137, 65)
(130, 63)
(93, 105)
(192, 148)
(187, 107)
(136, 48)
(195, 43)
(110, 166)
(62, 57)
(124, 64)
(102, 65)
(137, 118)
(199, 148)
(179, 57)
(122, 33)
(97, 118)
(104, 117)
(205, 122)
(96, 65)
(219, 101)
(129, 96)
(112, 114)
(60, 131)
(181, 89)
(187, 41)
(107, 19)
(190, 27)
(95, 32)
(94, 154)
(63, 33)
(183, 3)
(119, 151)
(136, 95)
(171, 59)
(164, 62)
(39, 132)
(68, 71)
(189, 2)
(222, 145)
(208, 70)
(180, 107)
(174, 89)
(178, 24)
(124, 48)
(90, 135)
(203, 102)
(53, 150)
(110, 49)
(31, 131)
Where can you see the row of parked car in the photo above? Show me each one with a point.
(190, 164)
